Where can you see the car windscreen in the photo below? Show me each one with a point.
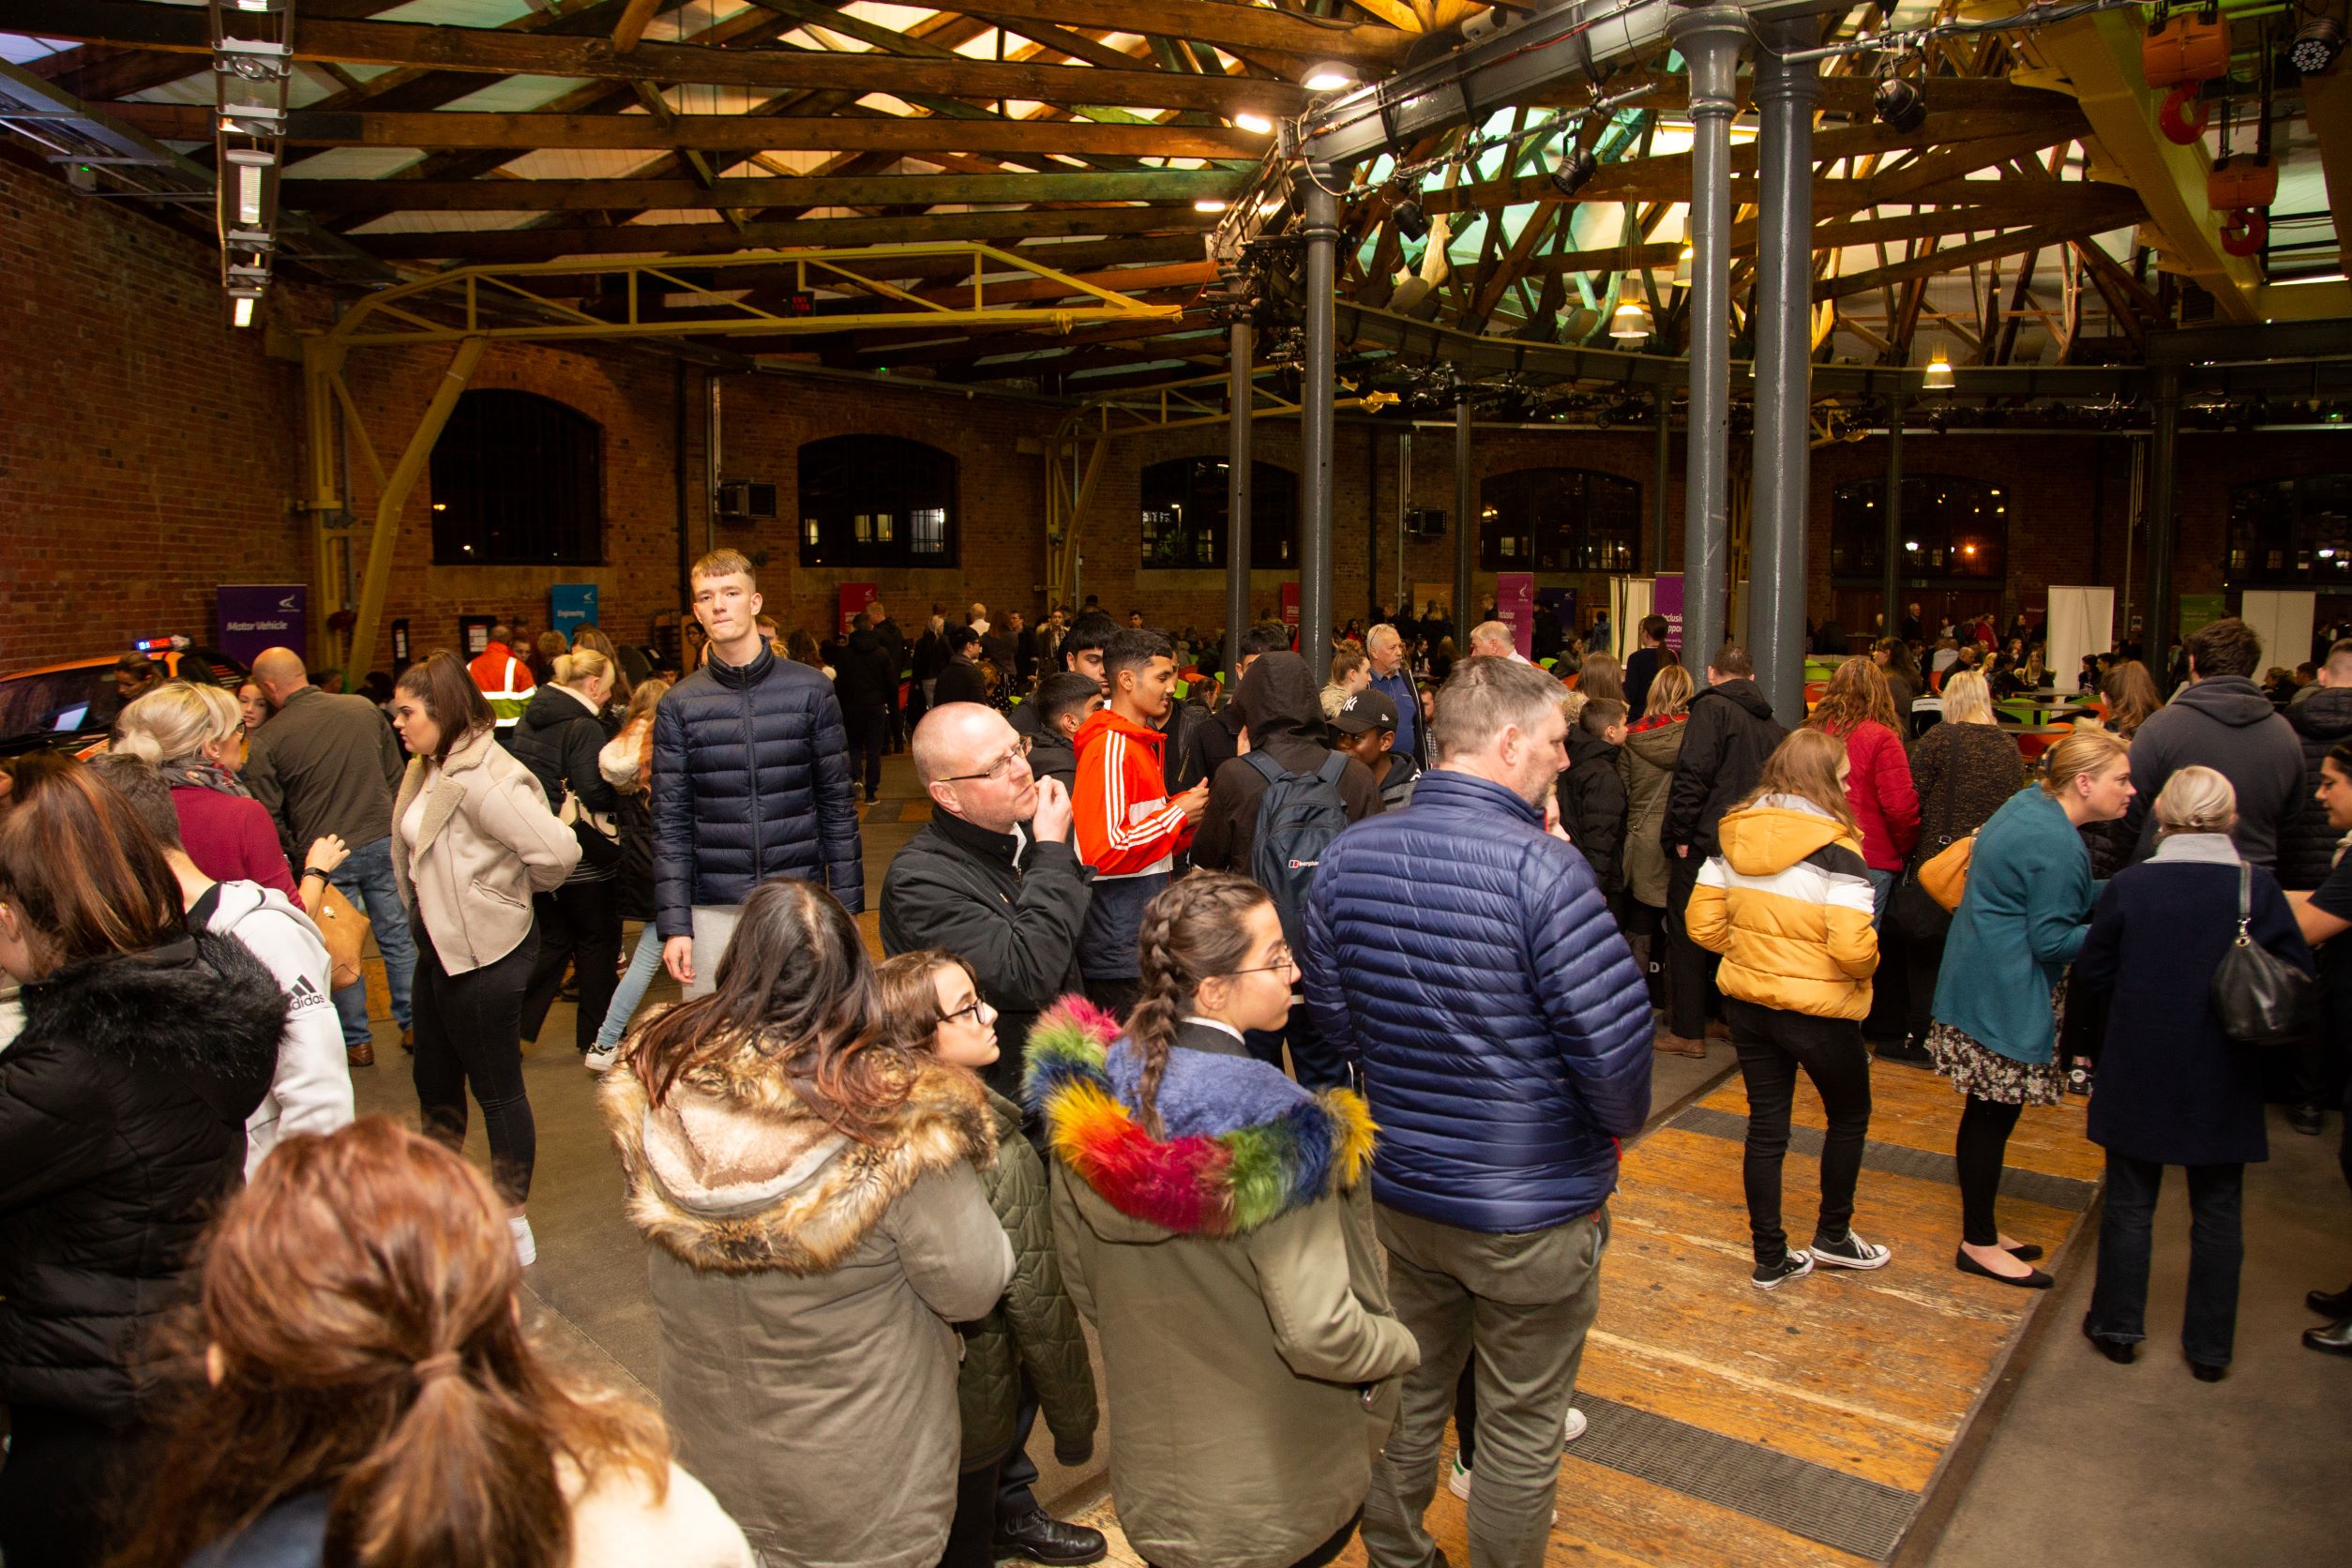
(56, 702)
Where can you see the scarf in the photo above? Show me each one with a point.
(194, 773)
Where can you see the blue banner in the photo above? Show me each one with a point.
(570, 604)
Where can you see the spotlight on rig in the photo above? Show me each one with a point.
(1575, 170)
(1900, 104)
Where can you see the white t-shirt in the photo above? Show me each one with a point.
(413, 821)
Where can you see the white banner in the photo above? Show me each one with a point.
(2082, 623)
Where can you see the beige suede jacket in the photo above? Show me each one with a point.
(488, 843)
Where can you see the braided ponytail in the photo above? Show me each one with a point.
(1191, 932)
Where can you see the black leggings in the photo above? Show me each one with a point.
(1981, 1147)
(65, 1491)
(469, 1029)
(579, 924)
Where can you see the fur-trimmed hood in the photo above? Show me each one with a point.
(734, 1173)
(1249, 1147)
(204, 1005)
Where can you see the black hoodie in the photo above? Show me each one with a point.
(2227, 724)
(2307, 845)
(864, 676)
(1282, 709)
(1729, 734)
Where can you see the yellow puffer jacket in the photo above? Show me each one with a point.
(1787, 905)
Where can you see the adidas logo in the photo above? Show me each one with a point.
(303, 989)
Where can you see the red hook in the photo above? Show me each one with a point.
(2244, 231)
(2173, 118)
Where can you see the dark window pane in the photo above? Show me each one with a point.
(1558, 519)
(1951, 528)
(2291, 532)
(518, 480)
(1183, 515)
(876, 501)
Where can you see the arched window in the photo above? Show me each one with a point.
(1951, 528)
(1558, 519)
(1184, 512)
(518, 480)
(2292, 531)
(876, 501)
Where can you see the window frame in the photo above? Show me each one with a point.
(884, 484)
(1857, 533)
(1274, 532)
(1573, 541)
(495, 497)
(2318, 558)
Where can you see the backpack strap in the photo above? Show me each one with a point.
(1267, 768)
(1334, 768)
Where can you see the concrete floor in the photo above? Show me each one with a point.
(2090, 1464)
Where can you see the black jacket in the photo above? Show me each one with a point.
(1593, 807)
(1729, 734)
(1009, 908)
(557, 738)
(2307, 845)
(1209, 746)
(1053, 756)
(1280, 703)
(862, 676)
(960, 681)
(2227, 724)
(751, 781)
(122, 1127)
(929, 655)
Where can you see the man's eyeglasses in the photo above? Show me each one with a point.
(1001, 767)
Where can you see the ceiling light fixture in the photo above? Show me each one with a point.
(2317, 42)
(1575, 170)
(1900, 104)
(1412, 222)
(1257, 124)
(1630, 321)
(1682, 267)
(1938, 377)
(1328, 77)
(1209, 203)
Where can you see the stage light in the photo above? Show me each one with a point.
(1630, 322)
(1575, 170)
(2317, 42)
(1328, 77)
(1257, 124)
(1900, 104)
(1208, 203)
(1938, 377)
(1411, 222)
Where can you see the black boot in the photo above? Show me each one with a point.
(2335, 1339)
(1041, 1538)
(2330, 1304)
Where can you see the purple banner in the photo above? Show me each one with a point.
(1514, 607)
(1665, 598)
(255, 616)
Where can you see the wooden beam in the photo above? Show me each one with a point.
(510, 245)
(499, 51)
(2014, 243)
(625, 35)
(1211, 22)
(177, 122)
(816, 190)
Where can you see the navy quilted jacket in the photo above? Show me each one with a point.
(1466, 959)
(751, 781)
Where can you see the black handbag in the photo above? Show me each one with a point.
(2260, 997)
(1911, 907)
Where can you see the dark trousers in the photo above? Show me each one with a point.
(1979, 1151)
(869, 728)
(1690, 968)
(1774, 1046)
(66, 1487)
(1466, 1415)
(579, 924)
(2217, 1245)
(1017, 1472)
(1923, 960)
(972, 1534)
(1644, 928)
(468, 1032)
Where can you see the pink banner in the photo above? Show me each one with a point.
(1665, 598)
(1515, 605)
(855, 597)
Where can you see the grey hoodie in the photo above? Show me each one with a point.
(2224, 723)
(310, 1091)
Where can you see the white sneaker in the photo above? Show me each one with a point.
(1576, 1424)
(526, 1246)
(601, 1057)
(1851, 1253)
(1459, 1482)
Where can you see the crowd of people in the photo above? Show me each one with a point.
(1287, 1032)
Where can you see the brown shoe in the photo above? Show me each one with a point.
(1718, 1030)
(1675, 1045)
(361, 1055)
(408, 1041)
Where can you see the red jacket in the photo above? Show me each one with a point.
(1880, 789)
(504, 679)
(1126, 825)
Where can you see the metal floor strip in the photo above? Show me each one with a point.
(1845, 1512)
(2031, 1186)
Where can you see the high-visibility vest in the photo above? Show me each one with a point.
(503, 679)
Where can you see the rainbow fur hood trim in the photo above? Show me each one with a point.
(1284, 1150)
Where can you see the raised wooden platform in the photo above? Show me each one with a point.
(1806, 1426)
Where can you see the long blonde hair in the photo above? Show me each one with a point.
(177, 720)
(1967, 699)
(1669, 693)
(1805, 765)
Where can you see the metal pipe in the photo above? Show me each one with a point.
(1318, 204)
(1890, 541)
(709, 464)
(1465, 524)
(2163, 451)
(1237, 490)
(1661, 483)
(1710, 40)
(1785, 92)
(678, 475)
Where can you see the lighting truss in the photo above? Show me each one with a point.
(252, 64)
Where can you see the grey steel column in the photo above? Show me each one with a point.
(1237, 499)
(1467, 526)
(1662, 481)
(1319, 206)
(2162, 453)
(1785, 94)
(1890, 547)
(1709, 39)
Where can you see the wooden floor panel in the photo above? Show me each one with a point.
(1917, 1109)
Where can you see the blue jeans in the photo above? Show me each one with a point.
(365, 880)
(643, 965)
(1882, 889)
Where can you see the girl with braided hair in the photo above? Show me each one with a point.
(1213, 1222)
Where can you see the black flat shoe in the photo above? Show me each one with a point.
(2034, 1280)
(2330, 1304)
(2120, 1352)
(2334, 1340)
(2308, 1119)
(2025, 1253)
(2206, 1372)
(1042, 1538)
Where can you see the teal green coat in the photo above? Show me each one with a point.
(2021, 922)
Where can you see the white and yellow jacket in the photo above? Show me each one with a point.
(1787, 905)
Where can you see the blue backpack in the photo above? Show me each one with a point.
(1297, 817)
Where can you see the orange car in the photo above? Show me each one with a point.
(71, 705)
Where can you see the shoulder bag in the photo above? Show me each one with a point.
(345, 931)
(1917, 909)
(2260, 997)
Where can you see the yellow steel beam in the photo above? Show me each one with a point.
(377, 581)
(481, 301)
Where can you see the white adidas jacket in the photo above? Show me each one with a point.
(311, 1090)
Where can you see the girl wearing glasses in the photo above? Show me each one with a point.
(931, 1005)
(1214, 1222)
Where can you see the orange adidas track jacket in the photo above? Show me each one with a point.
(1126, 825)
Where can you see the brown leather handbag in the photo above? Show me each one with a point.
(1945, 877)
(346, 933)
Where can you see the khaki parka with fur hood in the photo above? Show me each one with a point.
(806, 1287)
(1788, 905)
